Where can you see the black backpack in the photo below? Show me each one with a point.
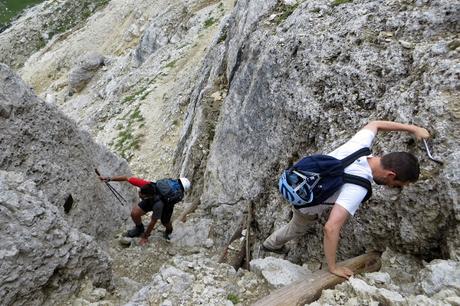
(315, 178)
(170, 191)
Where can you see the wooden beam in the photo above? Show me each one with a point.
(248, 236)
(237, 260)
(236, 235)
(309, 290)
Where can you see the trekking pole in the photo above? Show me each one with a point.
(115, 193)
(429, 153)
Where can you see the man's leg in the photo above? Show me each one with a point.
(136, 216)
(166, 220)
(297, 227)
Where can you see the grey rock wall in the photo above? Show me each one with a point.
(52, 204)
(43, 259)
(305, 82)
(86, 67)
(40, 142)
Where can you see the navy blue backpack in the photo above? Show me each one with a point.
(315, 178)
(170, 190)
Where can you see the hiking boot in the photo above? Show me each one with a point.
(135, 231)
(281, 250)
(166, 235)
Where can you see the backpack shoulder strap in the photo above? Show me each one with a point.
(360, 181)
(347, 161)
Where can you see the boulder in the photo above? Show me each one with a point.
(438, 275)
(278, 272)
(84, 70)
(44, 259)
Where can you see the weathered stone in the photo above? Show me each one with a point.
(198, 279)
(98, 294)
(378, 278)
(85, 69)
(44, 258)
(424, 301)
(278, 272)
(125, 241)
(191, 233)
(438, 275)
(453, 300)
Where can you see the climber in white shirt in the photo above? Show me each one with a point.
(394, 170)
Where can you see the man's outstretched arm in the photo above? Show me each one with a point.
(379, 125)
(145, 236)
(120, 178)
(337, 218)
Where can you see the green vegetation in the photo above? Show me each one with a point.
(209, 22)
(136, 115)
(233, 298)
(222, 37)
(140, 94)
(171, 64)
(74, 17)
(11, 8)
(127, 139)
(221, 8)
(453, 44)
(285, 12)
(40, 43)
(338, 2)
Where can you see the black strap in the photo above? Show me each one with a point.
(347, 161)
(360, 181)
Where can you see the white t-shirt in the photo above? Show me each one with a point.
(350, 196)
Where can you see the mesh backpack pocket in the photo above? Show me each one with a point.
(170, 190)
(315, 178)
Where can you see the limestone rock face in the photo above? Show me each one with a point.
(44, 259)
(40, 25)
(440, 275)
(303, 79)
(38, 141)
(86, 67)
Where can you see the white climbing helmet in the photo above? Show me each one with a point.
(185, 183)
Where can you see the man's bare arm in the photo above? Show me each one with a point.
(337, 218)
(379, 125)
(120, 178)
(145, 236)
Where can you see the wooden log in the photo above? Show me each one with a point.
(248, 237)
(309, 290)
(236, 235)
(237, 261)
